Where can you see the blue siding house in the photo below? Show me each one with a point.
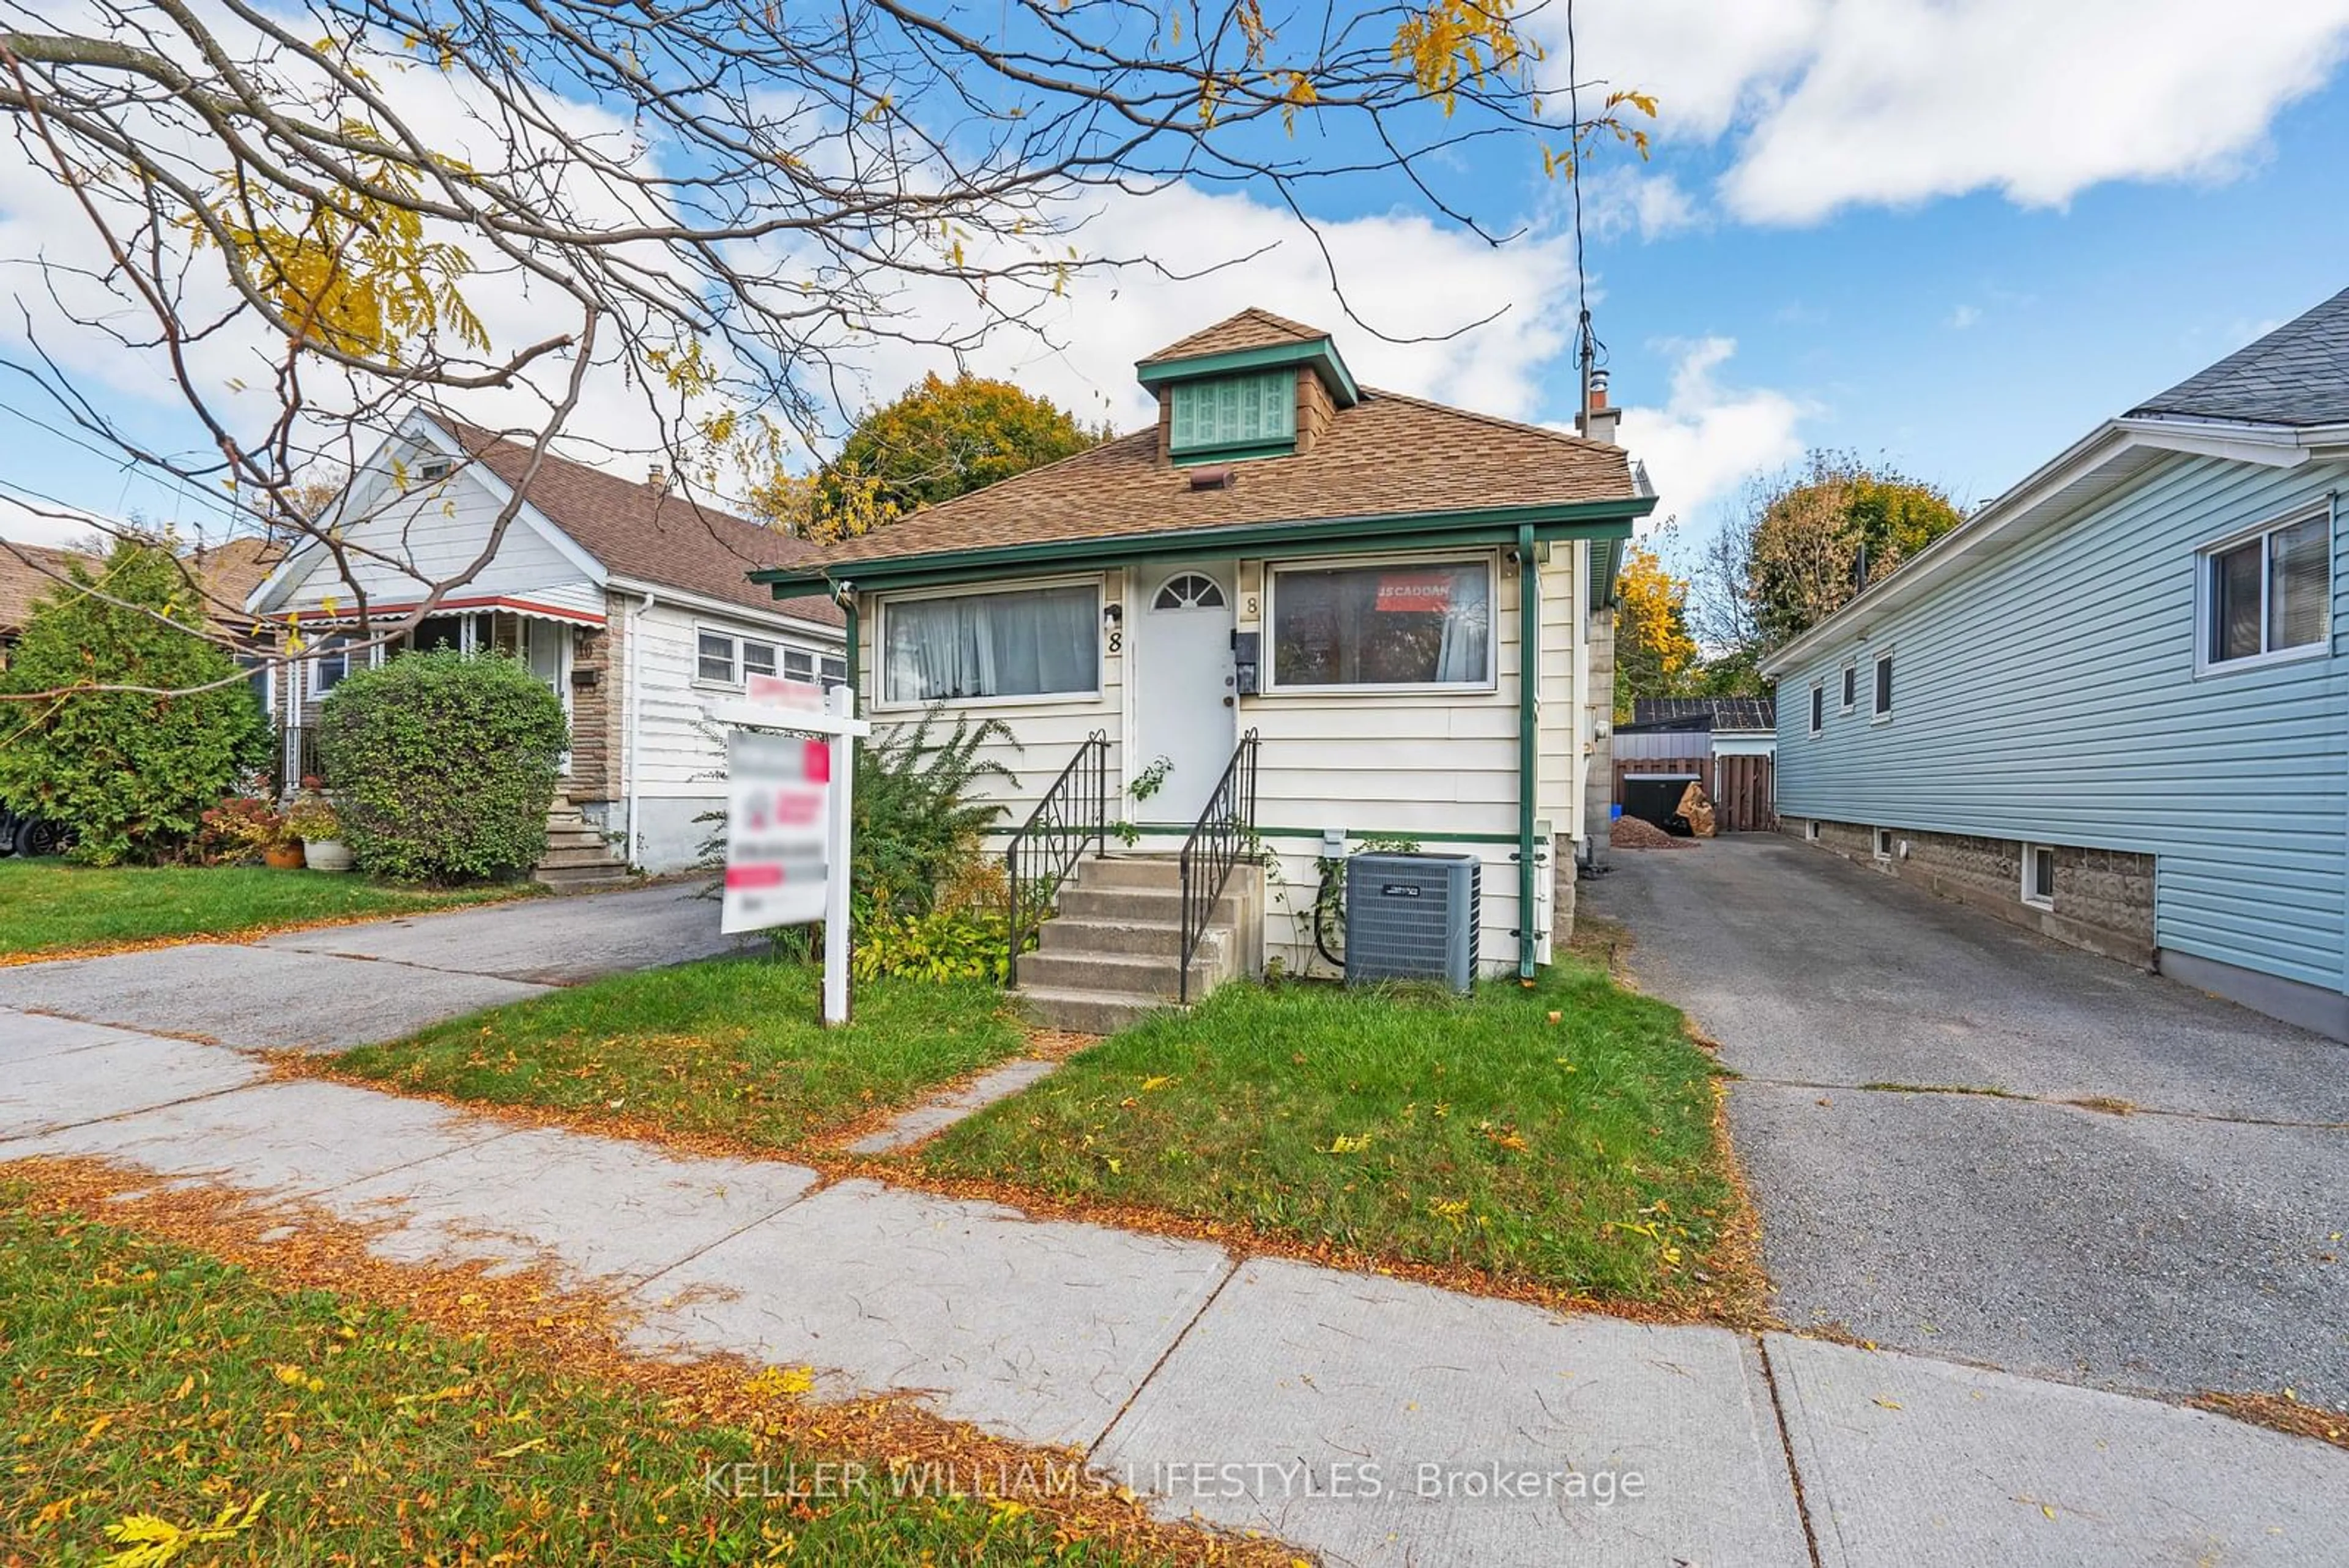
(2114, 703)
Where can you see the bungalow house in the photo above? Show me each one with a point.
(1294, 616)
(630, 601)
(2113, 704)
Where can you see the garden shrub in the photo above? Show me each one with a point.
(945, 944)
(442, 764)
(130, 773)
(916, 826)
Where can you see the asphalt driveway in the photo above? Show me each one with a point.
(1970, 1141)
(348, 985)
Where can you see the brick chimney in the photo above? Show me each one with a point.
(656, 479)
(1599, 420)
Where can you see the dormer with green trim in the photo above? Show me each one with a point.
(1253, 386)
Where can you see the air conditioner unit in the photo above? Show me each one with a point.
(1412, 917)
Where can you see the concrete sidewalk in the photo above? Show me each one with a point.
(1365, 1420)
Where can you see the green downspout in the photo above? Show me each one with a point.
(846, 596)
(1528, 683)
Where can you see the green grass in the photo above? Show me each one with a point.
(1413, 1124)
(144, 1379)
(728, 1048)
(48, 906)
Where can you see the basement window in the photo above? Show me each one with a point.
(1811, 830)
(1883, 844)
(2038, 876)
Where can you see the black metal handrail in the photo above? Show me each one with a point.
(1209, 856)
(1073, 813)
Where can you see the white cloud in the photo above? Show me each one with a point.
(1710, 437)
(1963, 316)
(1624, 199)
(1403, 276)
(35, 521)
(1824, 104)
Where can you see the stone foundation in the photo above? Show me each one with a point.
(2104, 897)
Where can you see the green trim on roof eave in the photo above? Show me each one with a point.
(1319, 352)
(1606, 561)
(1233, 451)
(1598, 520)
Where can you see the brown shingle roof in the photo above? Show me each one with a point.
(224, 575)
(27, 572)
(1251, 328)
(664, 539)
(1385, 455)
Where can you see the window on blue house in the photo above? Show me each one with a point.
(1235, 416)
(2269, 594)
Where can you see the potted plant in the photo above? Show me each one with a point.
(313, 821)
(244, 828)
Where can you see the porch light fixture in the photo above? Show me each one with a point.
(1112, 617)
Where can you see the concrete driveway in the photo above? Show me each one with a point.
(348, 985)
(1969, 1141)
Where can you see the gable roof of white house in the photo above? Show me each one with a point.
(608, 532)
(2278, 402)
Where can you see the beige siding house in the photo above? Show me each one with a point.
(632, 602)
(1293, 583)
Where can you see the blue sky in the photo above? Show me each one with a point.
(1950, 233)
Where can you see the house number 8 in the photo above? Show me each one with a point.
(1249, 607)
(1117, 639)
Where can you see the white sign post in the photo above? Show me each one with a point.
(787, 850)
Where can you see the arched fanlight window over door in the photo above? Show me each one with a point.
(1189, 590)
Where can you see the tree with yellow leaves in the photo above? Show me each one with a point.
(1655, 656)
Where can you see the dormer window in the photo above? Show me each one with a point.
(1224, 418)
(432, 469)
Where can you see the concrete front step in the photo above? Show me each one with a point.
(1146, 906)
(1125, 974)
(1160, 872)
(1085, 1011)
(596, 854)
(605, 873)
(1149, 939)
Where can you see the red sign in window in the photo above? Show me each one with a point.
(1416, 593)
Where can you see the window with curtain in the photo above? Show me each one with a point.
(1031, 642)
(1401, 625)
(714, 658)
(2269, 594)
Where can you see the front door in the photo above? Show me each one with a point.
(548, 645)
(1179, 680)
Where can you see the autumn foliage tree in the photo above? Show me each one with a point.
(1655, 656)
(700, 221)
(937, 440)
(1806, 542)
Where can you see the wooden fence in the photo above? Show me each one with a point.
(1743, 787)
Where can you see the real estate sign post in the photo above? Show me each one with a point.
(789, 768)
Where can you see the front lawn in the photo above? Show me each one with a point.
(49, 906)
(154, 1391)
(730, 1047)
(1562, 1136)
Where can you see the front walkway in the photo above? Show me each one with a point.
(1363, 1418)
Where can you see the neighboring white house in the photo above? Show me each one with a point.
(1338, 574)
(633, 603)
